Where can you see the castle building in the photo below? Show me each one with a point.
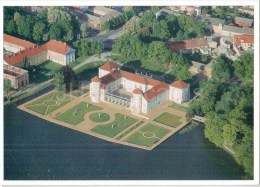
(26, 52)
(15, 45)
(19, 77)
(139, 94)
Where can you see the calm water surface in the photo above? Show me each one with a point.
(36, 149)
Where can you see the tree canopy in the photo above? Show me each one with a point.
(244, 67)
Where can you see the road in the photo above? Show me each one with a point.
(108, 37)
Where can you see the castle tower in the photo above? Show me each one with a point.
(95, 89)
(136, 101)
(179, 92)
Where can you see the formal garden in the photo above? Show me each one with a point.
(148, 135)
(48, 103)
(75, 114)
(112, 129)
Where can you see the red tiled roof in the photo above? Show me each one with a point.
(137, 91)
(179, 84)
(57, 46)
(246, 39)
(21, 55)
(18, 41)
(109, 66)
(107, 79)
(188, 44)
(139, 79)
(156, 90)
(95, 79)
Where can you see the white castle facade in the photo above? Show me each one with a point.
(139, 94)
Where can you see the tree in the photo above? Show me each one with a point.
(55, 14)
(244, 67)
(83, 29)
(8, 88)
(88, 47)
(221, 71)
(133, 25)
(59, 81)
(38, 31)
(55, 32)
(158, 52)
(70, 79)
(11, 27)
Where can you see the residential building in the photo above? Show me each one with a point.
(139, 94)
(53, 50)
(243, 22)
(100, 16)
(231, 30)
(19, 77)
(245, 42)
(208, 69)
(184, 46)
(247, 10)
(14, 44)
(196, 67)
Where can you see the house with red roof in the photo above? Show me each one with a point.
(15, 44)
(244, 42)
(137, 93)
(32, 54)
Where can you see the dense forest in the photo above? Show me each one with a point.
(54, 23)
(227, 102)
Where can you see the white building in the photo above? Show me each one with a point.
(139, 94)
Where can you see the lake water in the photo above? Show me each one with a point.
(35, 149)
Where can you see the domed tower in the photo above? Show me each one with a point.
(95, 89)
(136, 101)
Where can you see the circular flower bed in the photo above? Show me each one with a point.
(99, 117)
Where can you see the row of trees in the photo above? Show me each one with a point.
(86, 47)
(132, 47)
(53, 23)
(228, 108)
(163, 27)
(121, 19)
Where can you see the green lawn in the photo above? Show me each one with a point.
(48, 103)
(179, 107)
(118, 125)
(78, 61)
(43, 72)
(99, 117)
(169, 119)
(76, 114)
(129, 130)
(145, 65)
(88, 71)
(148, 135)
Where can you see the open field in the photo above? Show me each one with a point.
(118, 125)
(147, 135)
(76, 114)
(169, 119)
(48, 103)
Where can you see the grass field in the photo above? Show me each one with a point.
(179, 107)
(169, 119)
(148, 135)
(118, 125)
(76, 114)
(48, 103)
(99, 117)
(43, 72)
